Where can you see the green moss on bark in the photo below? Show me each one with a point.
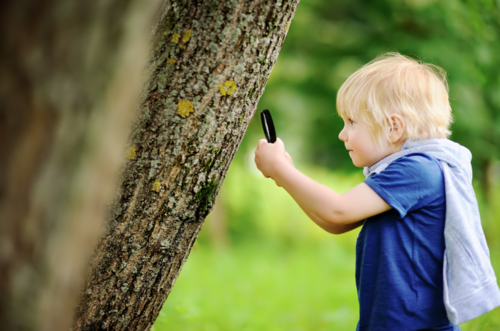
(204, 196)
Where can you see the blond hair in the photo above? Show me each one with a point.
(393, 83)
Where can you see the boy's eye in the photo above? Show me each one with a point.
(351, 121)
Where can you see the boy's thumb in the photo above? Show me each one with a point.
(262, 142)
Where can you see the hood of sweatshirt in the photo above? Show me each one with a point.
(455, 155)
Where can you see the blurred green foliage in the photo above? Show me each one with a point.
(281, 271)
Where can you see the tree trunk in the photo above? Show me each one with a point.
(69, 83)
(209, 66)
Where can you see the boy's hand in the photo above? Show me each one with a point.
(270, 157)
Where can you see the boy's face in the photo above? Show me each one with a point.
(362, 148)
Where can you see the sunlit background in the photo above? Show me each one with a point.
(259, 263)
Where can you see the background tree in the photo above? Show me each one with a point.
(209, 66)
(70, 76)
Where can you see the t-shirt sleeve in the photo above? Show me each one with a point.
(409, 183)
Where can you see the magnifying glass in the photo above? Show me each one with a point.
(268, 126)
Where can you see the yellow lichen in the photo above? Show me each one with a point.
(186, 36)
(185, 108)
(182, 46)
(227, 88)
(287, 26)
(130, 153)
(171, 61)
(156, 186)
(175, 38)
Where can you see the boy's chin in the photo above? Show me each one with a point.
(357, 165)
(355, 162)
(360, 165)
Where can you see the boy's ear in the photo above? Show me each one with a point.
(397, 128)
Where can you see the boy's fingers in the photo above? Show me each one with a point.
(264, 142)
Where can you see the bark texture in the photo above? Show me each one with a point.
(209, 65)
(69, 83)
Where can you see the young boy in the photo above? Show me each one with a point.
(422, 262)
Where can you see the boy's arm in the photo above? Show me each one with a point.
(334, 229)
(324, 203)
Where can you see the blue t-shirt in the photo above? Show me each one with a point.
(399, 253)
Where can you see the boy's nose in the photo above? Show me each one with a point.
(342, 135)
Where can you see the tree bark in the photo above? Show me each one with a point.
(209, 66)
(70, 78)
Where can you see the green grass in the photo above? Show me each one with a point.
(264, 287)
(272, 287)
